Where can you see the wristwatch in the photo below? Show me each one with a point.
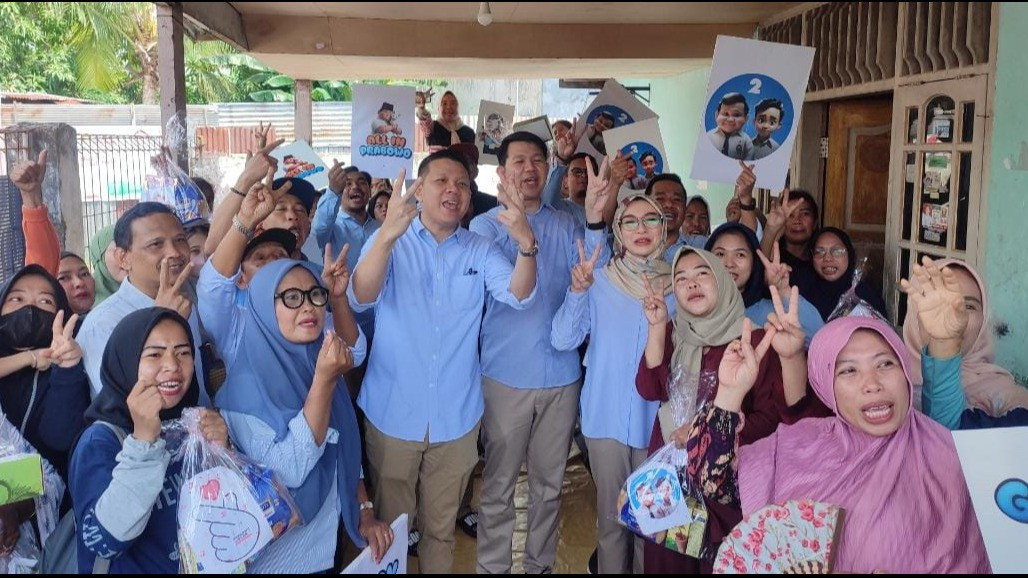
(750, 207)
(243, 229)
(531, 251)
(596, 226)
(367, 506)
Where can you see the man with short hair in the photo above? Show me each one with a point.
(428, 279)
(531, 389)
(669, 192)
(151, 247)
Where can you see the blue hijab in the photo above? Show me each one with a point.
(270, 380)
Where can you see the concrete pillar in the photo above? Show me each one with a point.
(303, 111)
(172, 71)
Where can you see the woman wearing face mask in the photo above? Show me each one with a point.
(448, 129)
(125, 478)
(607, 307)
(287, 406)
(710, 316)
(893, 469)
(947, 329)
(736, 246)
(835, 262)
(43, 385)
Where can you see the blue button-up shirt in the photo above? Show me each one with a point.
(102, 320)
(516, 349)
(424, 373)
(333, 225)
(610, 404)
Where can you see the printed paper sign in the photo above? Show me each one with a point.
(642, 143)
(656, 500)
(495, 122)
(298, 160)
(221, 525)
(613, 107)
(754, 97)
(395, 559)
(996, 471)
(382, 133)
(539, 126)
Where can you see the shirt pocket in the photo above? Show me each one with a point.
(465, 292)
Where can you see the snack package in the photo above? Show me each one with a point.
(172, 186)
(24, 558)
(229, 507)
(850, 304)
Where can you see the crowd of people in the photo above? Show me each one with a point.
(445, 326)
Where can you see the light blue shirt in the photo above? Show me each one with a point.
(310, 547)
(223, 313)
(516, 349)
(335, 226)
(611, 407)
(424, 373)
(551, 195)
(102, 320)
(810, 319)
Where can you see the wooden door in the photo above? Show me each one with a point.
(856, 196)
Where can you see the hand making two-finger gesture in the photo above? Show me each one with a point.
(582, 273)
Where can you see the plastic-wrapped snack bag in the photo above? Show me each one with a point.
(172, 186)
(229, 507)
(24, 558)
(850, 304)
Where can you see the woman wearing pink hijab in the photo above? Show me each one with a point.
(893, 469)
(988, 387)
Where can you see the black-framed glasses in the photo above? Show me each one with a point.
(837, 252)
(649, 221)
(579, 173)
(293, 298)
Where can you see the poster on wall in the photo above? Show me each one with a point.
(393, 562)
(382, 130)
(641, 142)
(613, 107)
(754, 97)
(495, 122)
(997, 478)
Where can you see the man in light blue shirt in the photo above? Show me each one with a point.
(531, 389)
(427, 279)
(151, 247)
(573, 177)
(668, 191)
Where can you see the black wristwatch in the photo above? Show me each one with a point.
(750, 207)
(596, 226)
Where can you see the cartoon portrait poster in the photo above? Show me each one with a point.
(495, 122)
(754, 97)
(298, 160)
(641, 142)
(382, 133)
(997, 479)
(655, 498)
(613, 107)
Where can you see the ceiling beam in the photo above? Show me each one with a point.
(224, 22)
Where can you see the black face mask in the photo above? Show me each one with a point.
(27, 328)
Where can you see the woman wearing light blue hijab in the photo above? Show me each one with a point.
(287, 406)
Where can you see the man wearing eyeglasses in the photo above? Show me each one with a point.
(428, 281)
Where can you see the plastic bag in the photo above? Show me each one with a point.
(229, 509)
(24, 559)
(850, 304)
(171, 185)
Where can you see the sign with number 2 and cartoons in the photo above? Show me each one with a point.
(754, 97)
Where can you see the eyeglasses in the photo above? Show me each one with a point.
(578, 173)
(294, 298)
(650, 222)
(837, 252)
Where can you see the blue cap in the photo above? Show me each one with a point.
(301, 189)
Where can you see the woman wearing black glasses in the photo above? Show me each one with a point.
(835, 262)
(287, 405)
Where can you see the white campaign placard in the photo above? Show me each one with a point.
(395, 559)
(640, 141)
(995, 464)
(298, 160)
(754, 97)
(539, 126)
(613, 107)
(495, 122)
(382, 133)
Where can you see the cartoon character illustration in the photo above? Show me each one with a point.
(387, 121)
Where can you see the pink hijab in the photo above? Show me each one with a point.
(906, 501)
(988, 386)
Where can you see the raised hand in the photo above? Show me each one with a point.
(145, 404)
(739, 366)
(260, 200)
(28, 176)
(621, 168)
(337, 177)
(513, 217)
(260, 134)
(654, 305)
(258, 165)
(745, 182)
(936, 292)
(780, 212)
(567, 145)
(598, 190)
(336, 274)
(776, 273)
(213, 427)
(64, 350)
(169, 293)
(334, 359)
(785, 324)
(582, 273)
(402, 208)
